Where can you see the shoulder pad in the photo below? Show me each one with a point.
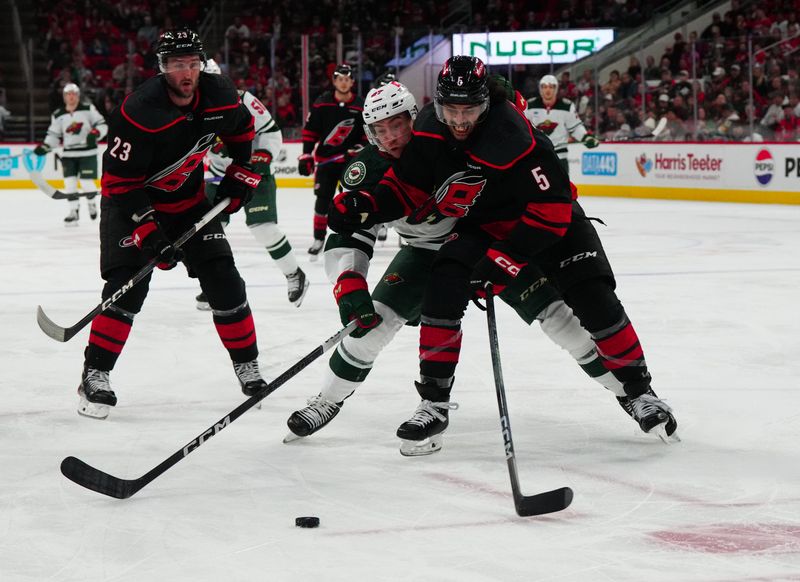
(427, 125)
(148, 108)
(506, 138)
(326, 97)
(217, 91)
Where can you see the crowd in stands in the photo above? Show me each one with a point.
(108, 49)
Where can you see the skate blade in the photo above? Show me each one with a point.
(299, 301)
(421, 448)
(291, 437)
(661, 432)
(71, 224)
(93, 410)
(203, 306)
(313, 258)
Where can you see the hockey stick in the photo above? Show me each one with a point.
(43, 185)
(14, 156)
(526, 505)
(87, 476)
(63, 334)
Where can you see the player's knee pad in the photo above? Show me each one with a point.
(595, 303)
(70, 184)
(563, 328)
(131, 302)
(221, 282)
(267, 234)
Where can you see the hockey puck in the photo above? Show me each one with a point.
(306, 521)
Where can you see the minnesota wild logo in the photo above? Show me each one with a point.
(392, 278)
(547, 126)
(75, 127)
(355, 174)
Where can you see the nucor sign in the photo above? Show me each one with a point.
(532, 47)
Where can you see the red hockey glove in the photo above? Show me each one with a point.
(354, 301)
(239, 184)
(352, 210)
(305, 165)
(496, 267)
(150, 239)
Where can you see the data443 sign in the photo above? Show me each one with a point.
(532, 47)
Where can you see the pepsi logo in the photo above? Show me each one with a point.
(764, 167)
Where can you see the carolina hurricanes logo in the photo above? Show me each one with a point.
(339, 133)
(173, 177)
(74, 127)
(547, 127)
(458, 194)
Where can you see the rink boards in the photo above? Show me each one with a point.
(760, 173)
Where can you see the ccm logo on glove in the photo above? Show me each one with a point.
(505, 262)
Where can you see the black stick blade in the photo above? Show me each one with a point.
(87, 476)
(49, 327)
(542, 503)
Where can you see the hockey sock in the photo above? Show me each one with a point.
(107, 337)
(237, 331)
(278, 247)
(320, 225)
(439, 347)
(622, 355)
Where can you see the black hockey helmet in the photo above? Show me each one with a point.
(385, 79)
(178, 42)
(463, 80)
(343, 69)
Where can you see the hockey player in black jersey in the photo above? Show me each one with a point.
(153, 191)
(501, 178)
(333, 127)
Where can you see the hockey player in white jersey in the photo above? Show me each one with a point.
(557, 119)
(397, 299)
(78, 127)
(261, 213)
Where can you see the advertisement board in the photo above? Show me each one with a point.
(532, 46)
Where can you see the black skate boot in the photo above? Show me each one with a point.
(422, 433)
(72, 218)
(308, 420)
(96, 394)
(249, 377)
(652, 414)
(92, 206)
(297, 287)
(202, 302)
(315, 249)
(383, 233)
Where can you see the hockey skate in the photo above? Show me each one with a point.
(383, 233)
(297, 287)
(72, 218)
(92, 209)
(315, 249)
(202, 302)
(249, 377)
(96, 394)
(422, 433)
(652, 414)
(308, 420)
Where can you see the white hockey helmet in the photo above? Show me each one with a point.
(71, 88)
(212, 67)
(385, 102)
(548, 80)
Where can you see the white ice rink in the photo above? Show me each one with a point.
(711, 288)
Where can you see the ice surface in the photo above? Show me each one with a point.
(711, 288)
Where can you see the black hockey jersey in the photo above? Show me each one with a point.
(335, 125)
(156, 149)
(504, 179)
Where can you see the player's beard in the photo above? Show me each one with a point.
(184, 89)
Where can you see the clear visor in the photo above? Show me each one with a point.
(460, 115)
(390, 135)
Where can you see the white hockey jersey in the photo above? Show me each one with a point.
(71, 130)
(268, 135)
(558, 122)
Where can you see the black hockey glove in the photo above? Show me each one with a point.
(91, 138)
(354, 301)
(150, 239)
(41, 149)
(239, 184)
(305, 165)
(352, 210)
